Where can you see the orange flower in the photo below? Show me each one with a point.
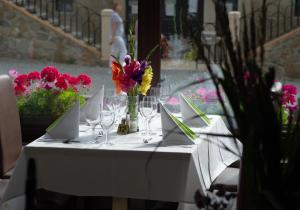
(116, 76)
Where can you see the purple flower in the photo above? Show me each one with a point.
(143, 65)
(138, 73)
(127, 59)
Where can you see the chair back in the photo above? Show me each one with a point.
(10, 129)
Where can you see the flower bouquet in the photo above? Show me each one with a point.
(132, 78)
(46, 95)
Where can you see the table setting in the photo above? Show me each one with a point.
(128, 143)
(136, 165)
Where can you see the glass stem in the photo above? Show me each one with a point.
(106, 136)
(147, 127)
(93, 128)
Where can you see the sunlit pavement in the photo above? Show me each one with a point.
(101, 75)
(176, 74)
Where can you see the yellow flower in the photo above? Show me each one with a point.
(146, 80)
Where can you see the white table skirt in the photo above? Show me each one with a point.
(129, 168)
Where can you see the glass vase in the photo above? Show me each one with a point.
(133, 110)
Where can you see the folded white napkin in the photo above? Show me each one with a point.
(174, 131)
(191, 114)
(92, 106)
(67, 126)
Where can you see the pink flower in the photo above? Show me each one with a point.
(173, 101)
(132, 67)
(48, 86)
(13, 73)
(289, 94)
(84, 80)
(201, 91)
(290, 89)
(211, 96)
(207, 95)
(32, 76)
(246, 75)
(127, 83)
(49, 74)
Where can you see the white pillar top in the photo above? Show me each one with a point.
(106, 12)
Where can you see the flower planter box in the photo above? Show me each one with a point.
(34, 127)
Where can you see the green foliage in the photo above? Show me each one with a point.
(284, 116)
(131, 39)
(44, 102)
(191, 55)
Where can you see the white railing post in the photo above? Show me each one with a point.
(105, 33)
(234, 25)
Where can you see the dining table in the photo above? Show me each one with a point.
(129, 168)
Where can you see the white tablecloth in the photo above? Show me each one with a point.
(129, 168)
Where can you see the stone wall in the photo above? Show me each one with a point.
(23, 35)
(284, 53)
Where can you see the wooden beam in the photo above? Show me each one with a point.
(149, 34)
(119, 204)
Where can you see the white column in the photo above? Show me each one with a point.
(209, 14)
(105, 33)
(234, 25)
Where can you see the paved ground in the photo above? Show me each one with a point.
(100, 75)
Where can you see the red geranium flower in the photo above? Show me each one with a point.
(20, 89)
(61, 83)
(73, 81)
(22, 80)
(34, 76)
(49, 74)
(85, 80)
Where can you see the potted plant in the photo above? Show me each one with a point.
(266, 123)
(44, 96)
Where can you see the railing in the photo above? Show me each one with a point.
(75, 18)
(281, 16)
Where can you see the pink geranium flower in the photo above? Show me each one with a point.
(13, 73)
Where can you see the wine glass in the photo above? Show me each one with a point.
(121, 107)
(148, 108)
(93, 117)
(164, 93)
(107, 119)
